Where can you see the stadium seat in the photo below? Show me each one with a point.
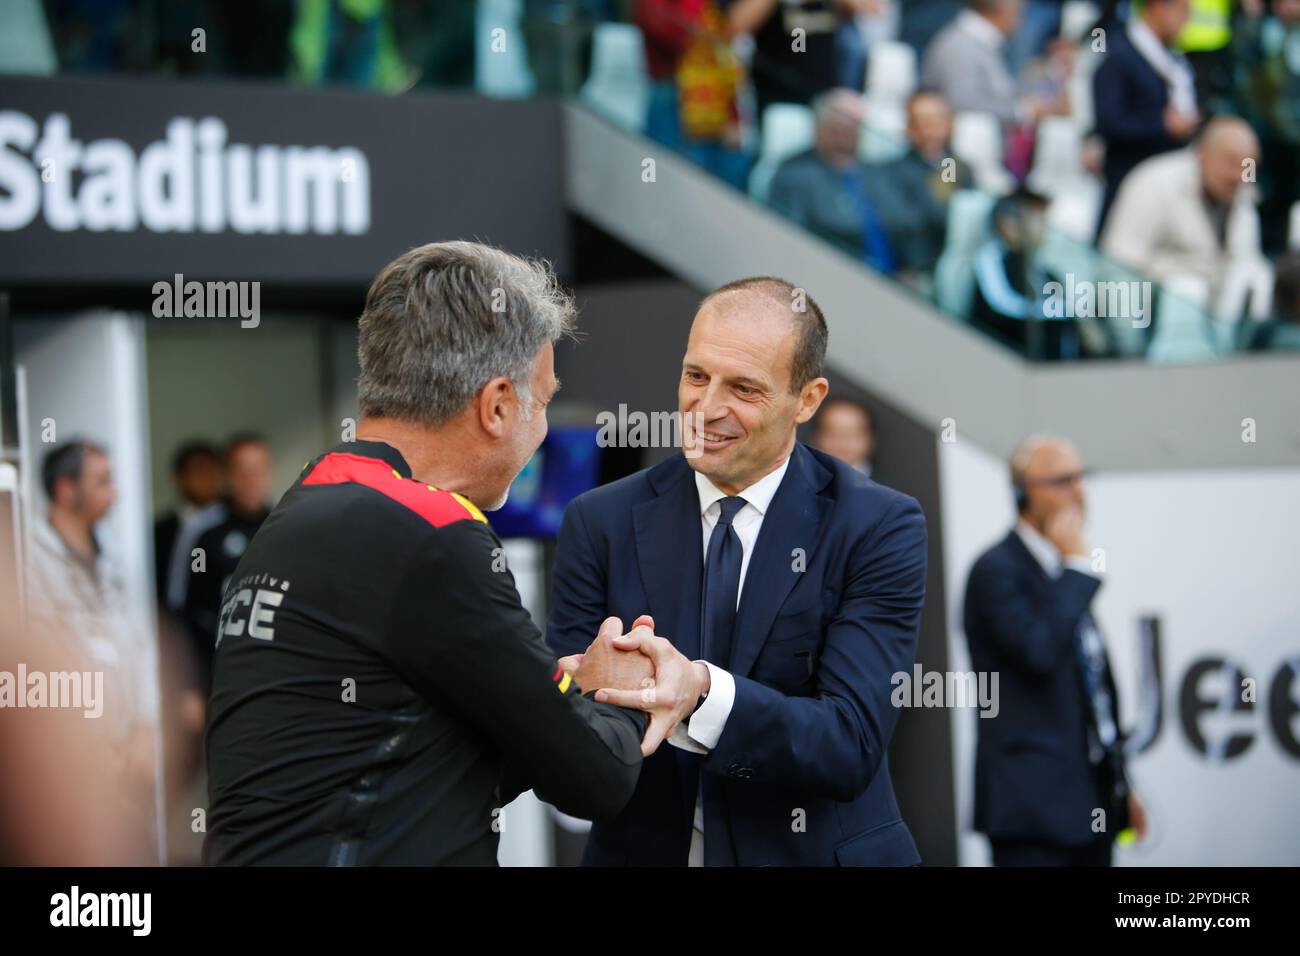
(968, 227)
(1077, 18)
(884, 135)
(977, 139)
(1245, 294)
(619, 87)
(502, 73)
(1183, 333)
(891, 73)
(787, 129)
(1057, 163)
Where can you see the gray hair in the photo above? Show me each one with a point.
(444, 319)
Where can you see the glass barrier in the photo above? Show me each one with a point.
(992, 221)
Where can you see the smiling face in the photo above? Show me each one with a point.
(735, 388)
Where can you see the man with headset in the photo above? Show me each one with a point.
(1051, 787)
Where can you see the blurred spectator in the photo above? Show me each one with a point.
(1010, 286)
(64, 799)
(919, 21)
(1186, 213)
(1041, 20)
(437, 40)
(199, 480)
(1053, 753)
(851, 43)
(965, 62)
(559, 36)
(1044, 90)
(347, 41)
(915, 189)
(1282, 331)
(1144, 94)
(695, 80)
(1206, 41)
(254, 37)
(845, 429)
(830, 191)
(1268, 50)
(92, 36)
(790, 66)
(248, 474)
(1045, 80)
(78, 598)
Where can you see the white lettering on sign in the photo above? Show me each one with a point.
(192, 180)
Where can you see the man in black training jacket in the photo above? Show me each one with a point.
(379, 692)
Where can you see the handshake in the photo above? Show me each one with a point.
(640, 671)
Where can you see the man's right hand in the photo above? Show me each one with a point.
(1180, 125)
(604, 665)
(1065, 530)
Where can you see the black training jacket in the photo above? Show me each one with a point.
(379, 692)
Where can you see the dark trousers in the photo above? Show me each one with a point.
(1037, 853)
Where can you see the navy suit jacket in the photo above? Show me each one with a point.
(829, 611)
(1129, 100)
(1033, 779)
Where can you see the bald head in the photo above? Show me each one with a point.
(1228, 147)
(840, 115)
(790, 304)
(1047, 472)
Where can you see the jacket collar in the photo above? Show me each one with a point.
(374, 449)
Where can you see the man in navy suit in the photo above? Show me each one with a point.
(1144, 93)
(793, 582)
(1050, 781)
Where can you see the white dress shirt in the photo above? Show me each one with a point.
(699, 733)
(1174, 70)
(1047, 555)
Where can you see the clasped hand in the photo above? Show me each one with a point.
(641, 671)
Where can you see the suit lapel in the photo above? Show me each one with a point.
(795, 519)
(669, 551)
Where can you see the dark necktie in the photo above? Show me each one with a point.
(1092, 664)
(721, 585)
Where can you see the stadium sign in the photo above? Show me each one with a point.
(191, 180)
(117, 184)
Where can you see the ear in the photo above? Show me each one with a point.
(497, 404)
(811, 397)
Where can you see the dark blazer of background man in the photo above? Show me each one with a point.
(1132, 98)
(1051, 758)
(790, 743)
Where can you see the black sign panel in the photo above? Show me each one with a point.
(121, 182)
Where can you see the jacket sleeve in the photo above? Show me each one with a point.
(1116, 118)
(1029, 631)
(461, 637)
(578, 603)
(833, 743)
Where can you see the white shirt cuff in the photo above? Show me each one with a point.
(700, 732)
(1080, 564)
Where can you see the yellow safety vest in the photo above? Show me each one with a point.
(1208, 28)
